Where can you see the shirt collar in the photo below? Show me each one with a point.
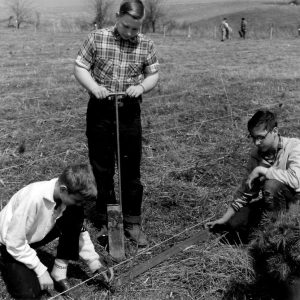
(280, 143)
(133, 40)
(271, 156)
(49, 193)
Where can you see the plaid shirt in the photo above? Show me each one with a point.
(117, 63)
(244, 195)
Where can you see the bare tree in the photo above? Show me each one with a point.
(11, 22)
(101, 8)
(21, 9)
(154, 12)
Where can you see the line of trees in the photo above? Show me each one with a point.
(102, 10)
(154, 13)
(22, 12)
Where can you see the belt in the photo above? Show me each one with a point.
(122, 100)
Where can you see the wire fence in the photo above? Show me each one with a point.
(177, 128)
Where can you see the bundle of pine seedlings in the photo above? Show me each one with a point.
(275, 253)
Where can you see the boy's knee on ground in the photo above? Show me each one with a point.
(22, 283)
(240, 220)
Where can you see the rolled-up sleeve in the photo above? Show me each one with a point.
(86, 53)
(87, 252)
(244, 195)
(151, 64)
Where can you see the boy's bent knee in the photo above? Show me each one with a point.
(272, 187)
(276, 194)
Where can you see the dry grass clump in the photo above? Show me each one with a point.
(192, 274)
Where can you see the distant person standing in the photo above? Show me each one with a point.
(243, 29)
(299, 30)
(225, 30)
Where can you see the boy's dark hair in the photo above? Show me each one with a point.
(79, 179)
(134, 8)
(263, 117)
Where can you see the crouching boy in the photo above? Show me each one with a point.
(273, 180)
(36, 215)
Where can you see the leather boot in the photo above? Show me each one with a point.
(64, 285)
(135, 234)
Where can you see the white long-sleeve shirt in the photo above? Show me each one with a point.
(28, 217)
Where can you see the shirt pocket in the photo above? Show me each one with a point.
(103, 68)
(134, 73)
(134, 70)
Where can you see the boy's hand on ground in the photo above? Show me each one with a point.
(109, 275)
(213, 224)
(100, 92)
(46, 281)
(106, 277)
(106, 274)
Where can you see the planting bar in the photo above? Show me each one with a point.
(201, 236)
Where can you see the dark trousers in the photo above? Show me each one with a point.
(242, 33)
(101, 134)
(276, 197)
(22, 282)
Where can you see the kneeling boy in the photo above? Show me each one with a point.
(37, 214)
(273, 180)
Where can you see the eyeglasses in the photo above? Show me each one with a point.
(258, 138)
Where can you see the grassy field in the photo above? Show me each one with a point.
(194, 146)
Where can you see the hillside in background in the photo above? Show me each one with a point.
(180, 11)
(183, 12)
(284, 19)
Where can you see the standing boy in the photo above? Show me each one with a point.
(243, 29)
(118, 59)
(225, 30)
(34, 216)
(273, 180)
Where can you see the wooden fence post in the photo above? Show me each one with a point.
(271, 31)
